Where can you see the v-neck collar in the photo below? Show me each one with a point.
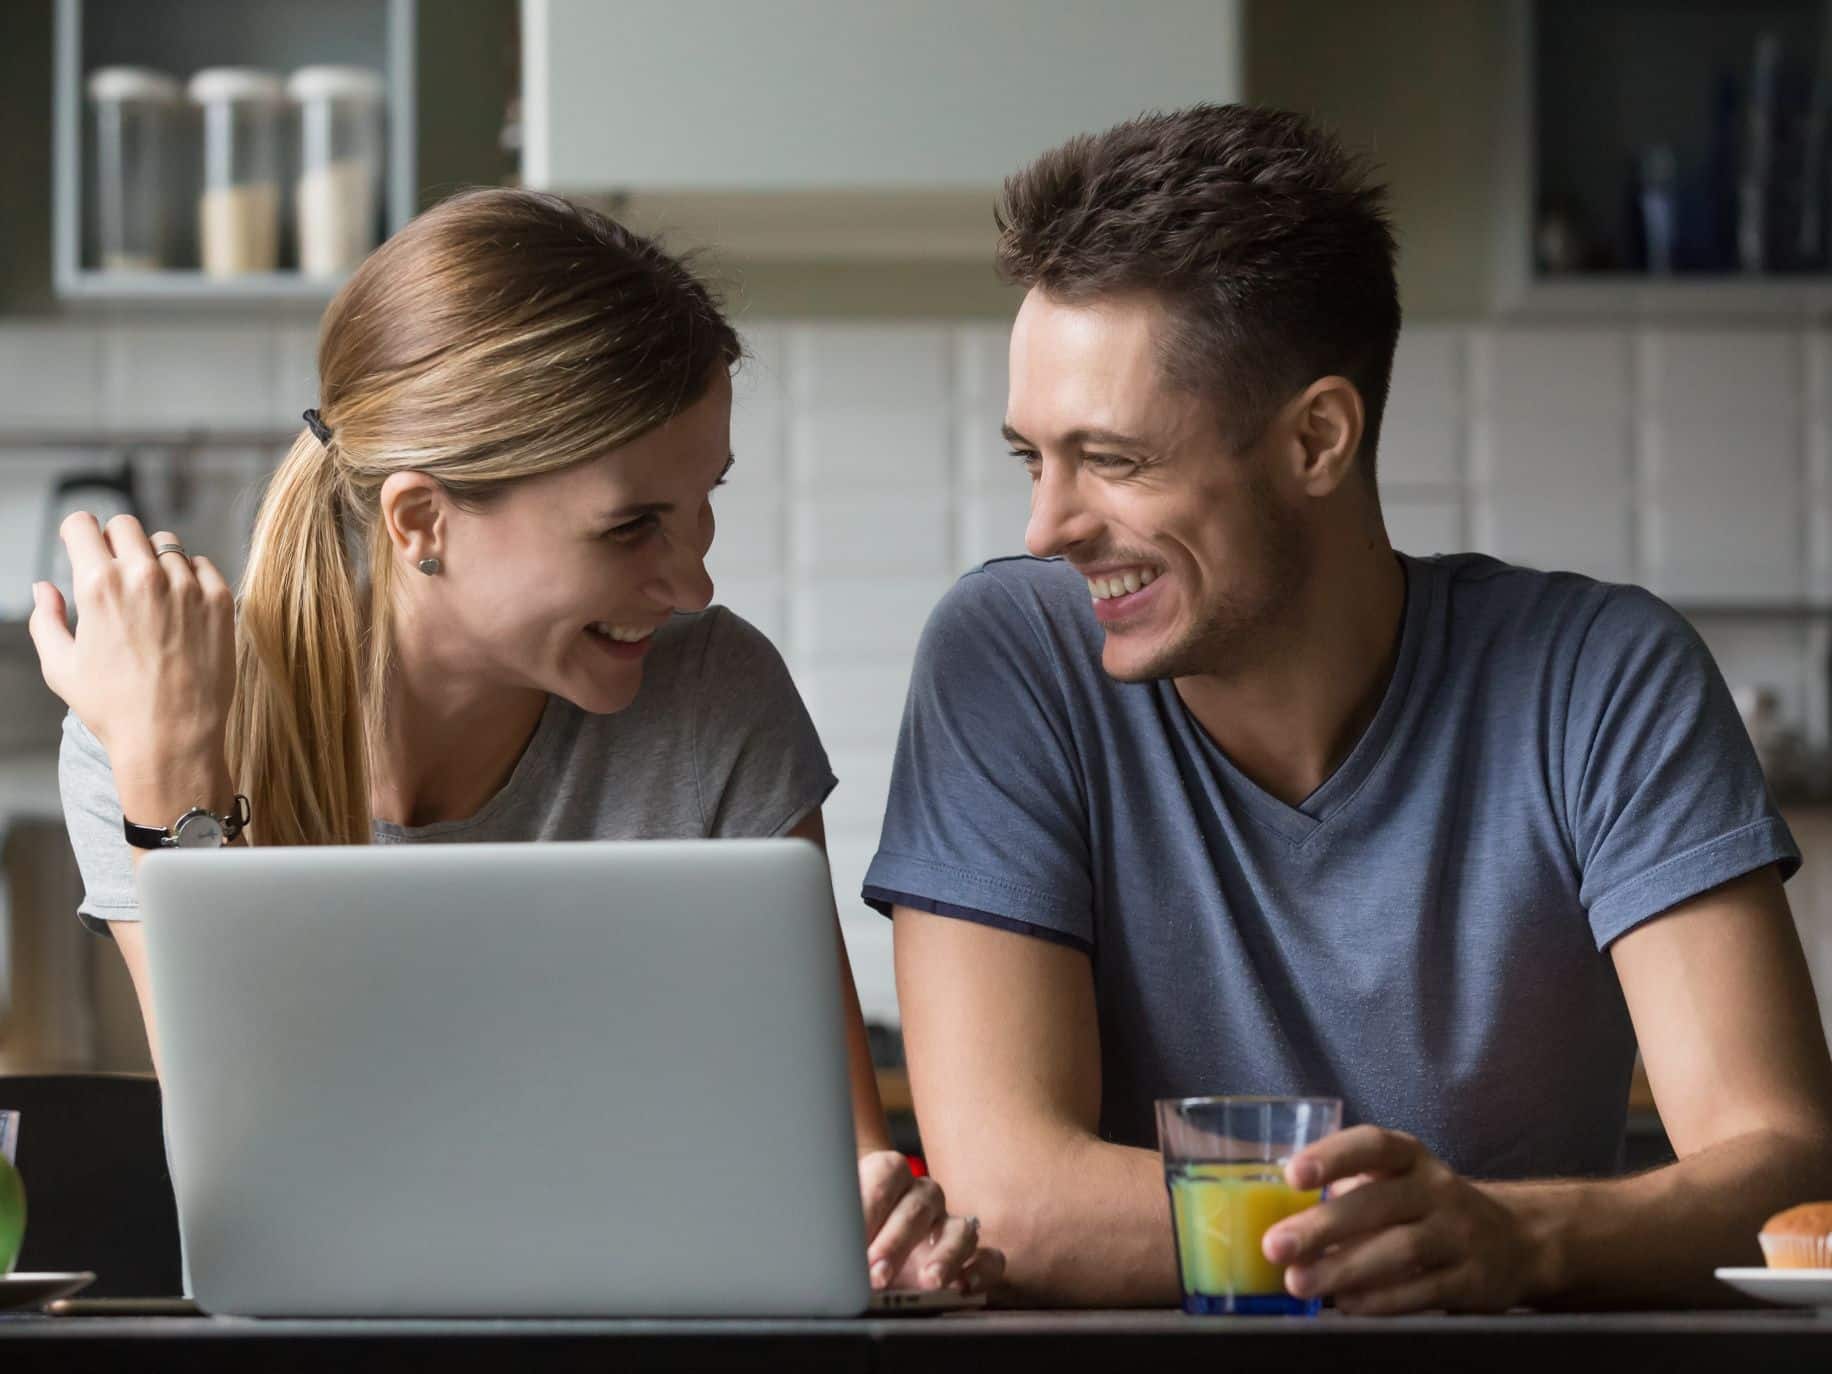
(1298, 823)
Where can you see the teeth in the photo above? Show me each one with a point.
(1101, 588)
(623, 634)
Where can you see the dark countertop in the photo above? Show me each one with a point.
(1746, 1341)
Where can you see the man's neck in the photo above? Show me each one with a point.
(451, 741)
(1290, 718)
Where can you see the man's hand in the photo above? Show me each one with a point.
(1401, 1232)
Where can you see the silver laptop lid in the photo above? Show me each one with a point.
(523, 1079)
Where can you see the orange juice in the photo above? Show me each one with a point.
(1221, 1213)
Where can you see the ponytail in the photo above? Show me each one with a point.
(297, 739)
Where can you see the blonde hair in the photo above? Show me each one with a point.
(500, 335)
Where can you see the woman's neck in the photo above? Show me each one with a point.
(450, 741)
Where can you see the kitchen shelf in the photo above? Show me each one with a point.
(38, 440)
(189, 285)
(180, 37)
(1591, 86)
(1635, 296)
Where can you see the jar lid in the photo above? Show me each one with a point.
(335, 83)
(131, 83)
(236, 83)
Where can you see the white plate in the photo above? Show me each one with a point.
(35, 1290)
(1795, 1287)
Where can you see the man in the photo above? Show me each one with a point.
(1279, 810)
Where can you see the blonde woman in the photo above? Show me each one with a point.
(475, 608)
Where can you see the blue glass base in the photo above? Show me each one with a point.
(1250, 1305)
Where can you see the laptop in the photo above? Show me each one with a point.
(536, 1080)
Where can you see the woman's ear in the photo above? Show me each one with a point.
(413, 513)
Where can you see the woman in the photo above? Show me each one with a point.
(489, 536)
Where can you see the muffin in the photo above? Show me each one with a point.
(1799, 1238)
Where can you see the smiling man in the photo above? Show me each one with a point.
(1218, 793)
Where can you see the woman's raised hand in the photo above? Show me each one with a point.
(150, 668)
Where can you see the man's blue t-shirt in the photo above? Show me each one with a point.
(1554, 762)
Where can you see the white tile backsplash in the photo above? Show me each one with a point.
(761, 600)
(985, 458)
(1544, 530)
(1424, 526)
(864, 772)
(24, 500)
(874, 534)
(874, 449)
(992, 521)
(871, 472)
(50, 376)
(1421, 434)
(982, 372)
(1723, 510)
(295, 372)
(1577, 463)
(861, 619)
(868, 947)
(856, 705)
(176, 376)
(870, 367)
(765, 367)
(750, 533)
(1705, 374)
(1581, 377)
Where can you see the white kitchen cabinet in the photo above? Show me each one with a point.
(818, 126)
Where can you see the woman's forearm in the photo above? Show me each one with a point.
(156, 790)
(868, 1121)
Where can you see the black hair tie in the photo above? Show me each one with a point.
(320, 430)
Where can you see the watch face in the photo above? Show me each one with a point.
(199, 832)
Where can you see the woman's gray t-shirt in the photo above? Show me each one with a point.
(716, 743)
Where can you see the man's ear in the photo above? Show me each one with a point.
(1326, 422)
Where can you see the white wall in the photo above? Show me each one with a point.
(870, 473)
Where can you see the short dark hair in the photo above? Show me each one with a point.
(1267, 241)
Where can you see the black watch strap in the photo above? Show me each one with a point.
(152, 837)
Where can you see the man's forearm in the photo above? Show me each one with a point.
(1655, 1238)
(1084, 1223)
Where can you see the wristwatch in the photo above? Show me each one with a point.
(198, 828)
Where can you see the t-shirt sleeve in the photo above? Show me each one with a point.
(987, 815)
(92, 815)
(1664, 796)
(759, 767)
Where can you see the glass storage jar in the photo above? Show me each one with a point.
(238, 216)
(133, 109)
(337, 197)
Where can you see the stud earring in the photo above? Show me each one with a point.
(429, 566)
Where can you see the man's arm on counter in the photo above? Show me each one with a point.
(1729, 1028)
(1724, 1010)
(1004, 1057)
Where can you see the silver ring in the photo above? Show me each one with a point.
(160, 550)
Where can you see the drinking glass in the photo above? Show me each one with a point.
(1224, 1164)
(12, 1195)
